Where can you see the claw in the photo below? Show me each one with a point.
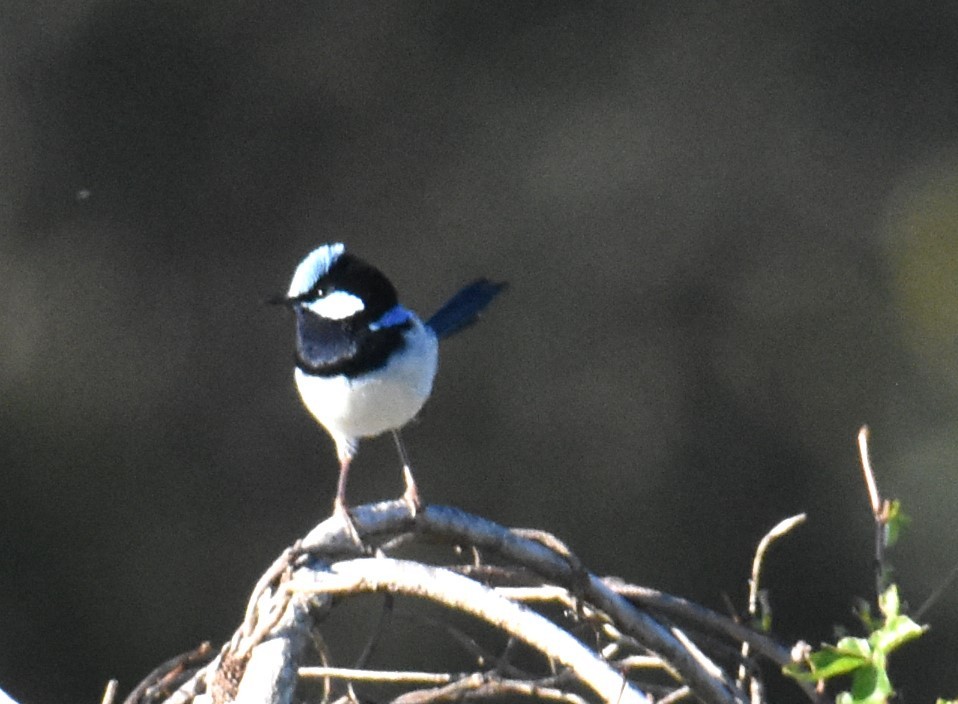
(340, 510)
(411, 494)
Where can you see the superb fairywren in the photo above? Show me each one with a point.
(364, 363)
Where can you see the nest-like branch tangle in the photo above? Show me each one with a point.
(538, 625)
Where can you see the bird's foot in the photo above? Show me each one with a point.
(340, 510)
(411, 494)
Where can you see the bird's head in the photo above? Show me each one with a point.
(335, 285)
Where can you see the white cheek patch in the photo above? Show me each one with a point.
(338, 305)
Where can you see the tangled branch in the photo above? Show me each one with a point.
(561, 632)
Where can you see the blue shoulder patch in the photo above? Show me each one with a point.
(394, 317)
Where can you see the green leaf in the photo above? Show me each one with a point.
(896, 631)
(833, 660)
(870, 685)
(895, 522)
(797, 670)
(863, 611)
(889, 602)
(852, 647)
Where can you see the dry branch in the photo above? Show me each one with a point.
(597, 639)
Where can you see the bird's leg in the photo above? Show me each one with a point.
(339, 503)
(411, 494)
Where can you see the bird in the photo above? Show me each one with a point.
(365, 364)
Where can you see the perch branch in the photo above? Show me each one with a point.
(619, 622)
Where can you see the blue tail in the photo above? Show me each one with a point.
(463, 309)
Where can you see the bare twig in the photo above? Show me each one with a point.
(384, 614)
(192, 687)
(170, 675)
(109, 694)
(694, 651)
(871, 485)
(466, 642)
(322, 650)
(877, 507)
(357, 674)
(700, 616)
(774, 534)
(246, 635)
(480, 686)
(639, 662)
(533, 594)
(706, 619)
(676, 696)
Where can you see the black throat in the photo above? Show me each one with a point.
(349, 347)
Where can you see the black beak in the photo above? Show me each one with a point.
(281, 300)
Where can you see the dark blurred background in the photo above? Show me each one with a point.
(731, 233)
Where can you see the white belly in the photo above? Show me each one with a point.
(383, 400)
